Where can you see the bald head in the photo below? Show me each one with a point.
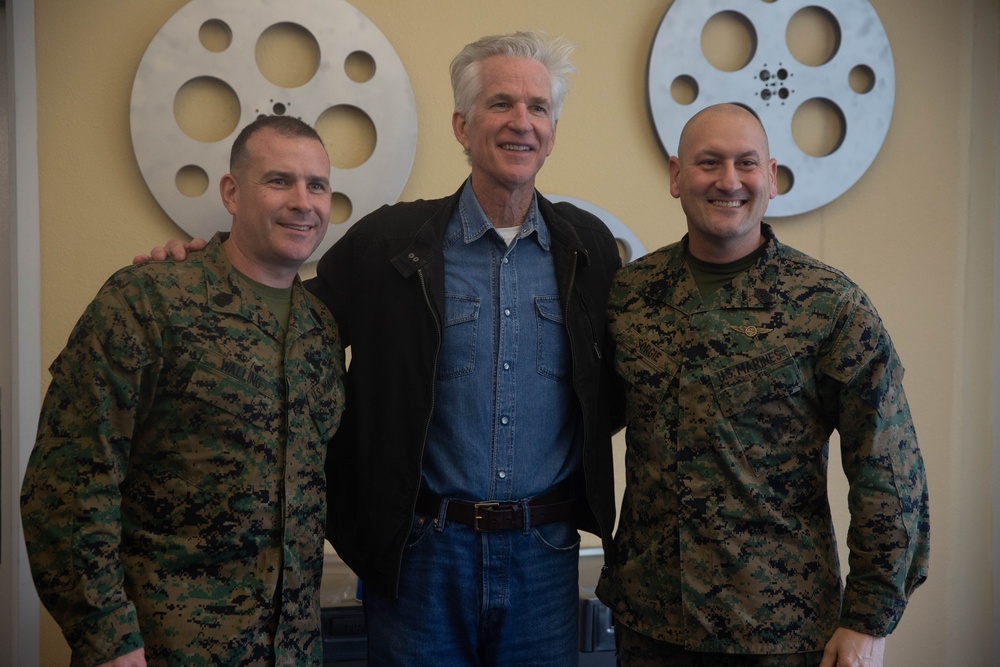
(716, 114)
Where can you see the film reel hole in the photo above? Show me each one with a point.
(786, 180)
(359, 67)
(861, 79)
(191, 181)
(684, 89)
(818, 127)
(215, 35)
(340, 208)
(813, 36)
(728, 41)
(287, 55)
(206, 109)
(349, 135)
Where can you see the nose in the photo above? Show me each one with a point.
(299, 199)
(520, 120)
(728, 180)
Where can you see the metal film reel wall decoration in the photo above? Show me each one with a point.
(631, 247)
(774, 85)
(176, 56)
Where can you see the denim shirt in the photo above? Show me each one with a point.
(505, 424)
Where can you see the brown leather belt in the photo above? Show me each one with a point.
(555, 505)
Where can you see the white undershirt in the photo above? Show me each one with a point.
(509, 233)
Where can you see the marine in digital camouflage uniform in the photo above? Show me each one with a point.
(725, 542)
(176, 498)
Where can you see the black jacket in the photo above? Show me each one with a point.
(384, 283)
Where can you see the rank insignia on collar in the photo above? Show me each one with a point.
(751, 331)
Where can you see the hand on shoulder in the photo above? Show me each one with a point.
(174, 249)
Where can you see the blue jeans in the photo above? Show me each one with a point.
(467, 598)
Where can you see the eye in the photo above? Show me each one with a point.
(319, 187)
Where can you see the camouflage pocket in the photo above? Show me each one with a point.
(647, 372)
(49, 513)
(228, 424)
(230, 387)
(758, 396)
(326, 403)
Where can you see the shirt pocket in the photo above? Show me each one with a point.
(458, 343)
(228, 387)
(552, 349)
(648, 373)
(326, 403)
(759, 397)
(231, 424)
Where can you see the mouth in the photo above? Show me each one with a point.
(515, 147)
(296, 228)
(727, 203)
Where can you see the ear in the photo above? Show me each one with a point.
(458, 124)
(229, 189)
(772, 171)
(674, 166)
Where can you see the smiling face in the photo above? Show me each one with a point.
(279, 197)
(510, 130)
(724, 177)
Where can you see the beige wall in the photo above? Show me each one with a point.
(916, 232)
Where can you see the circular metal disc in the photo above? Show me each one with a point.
(176, 56)
(677, 55)
(630, 242)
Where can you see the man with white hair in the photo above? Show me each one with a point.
(476, 438)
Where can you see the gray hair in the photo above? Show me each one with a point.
(552, 52)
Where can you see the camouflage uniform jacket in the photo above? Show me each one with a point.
(176, 496)
(725, 541)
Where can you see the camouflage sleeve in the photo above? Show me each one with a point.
(70, 501)
(888, 536)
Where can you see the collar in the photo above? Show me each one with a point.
(474, 223)
(226, 293)
(756, 288)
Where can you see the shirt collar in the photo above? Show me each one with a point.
(474, 223)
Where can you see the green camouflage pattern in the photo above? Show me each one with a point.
(725, 541)
(176, 497)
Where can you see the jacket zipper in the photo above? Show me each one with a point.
(430, 416)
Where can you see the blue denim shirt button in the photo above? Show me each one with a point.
(472, 437)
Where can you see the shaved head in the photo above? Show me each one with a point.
(718, 113)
